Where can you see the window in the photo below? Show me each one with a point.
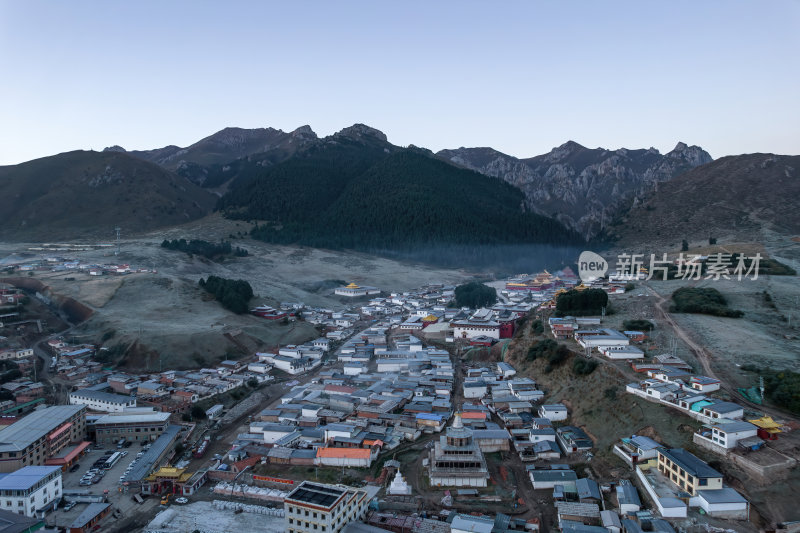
(703, 482)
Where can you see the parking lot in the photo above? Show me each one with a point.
(118, 499)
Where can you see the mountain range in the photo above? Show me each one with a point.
(355, 187)
(582, 187)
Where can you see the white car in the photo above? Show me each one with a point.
(181, 500)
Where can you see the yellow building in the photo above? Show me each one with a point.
(688, 472)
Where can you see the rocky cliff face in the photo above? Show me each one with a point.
(582, 187)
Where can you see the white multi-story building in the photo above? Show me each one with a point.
(318, 508)
(31, 490)
(105, 402)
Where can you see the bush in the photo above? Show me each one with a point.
(610, 393)
(206, 249)
(583, 367)
(475, 295)
(638, 324)
(580, 303)
(537, 328)
(197, 412)
(548, 349)
(705, 301)
(629, 287)
(684, 245)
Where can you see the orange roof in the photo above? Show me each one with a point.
(344, 453)
(474, 415)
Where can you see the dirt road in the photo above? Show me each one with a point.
(705, 358)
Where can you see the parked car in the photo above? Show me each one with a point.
(69, 506)
(96, 479)
(128, 444)
(124, 453)
(75, 467)
(181, 500)
(85, 482)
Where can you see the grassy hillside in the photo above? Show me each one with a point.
(351, 195)
(86, 194)
(732, 198)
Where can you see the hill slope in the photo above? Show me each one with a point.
(580, 186)
(355, 190)
(86, 194)
(224, 155)
(733, 197)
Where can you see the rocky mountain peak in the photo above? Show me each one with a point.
(360, 132)
(115, 148)
(304, 133)
(693, 155)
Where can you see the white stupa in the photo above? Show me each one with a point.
(399, 485)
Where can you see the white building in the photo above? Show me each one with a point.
(600, 338)
(354, 291)
(106, 402)
(727, 434)
(623, 353)
(318, 508)
(555, 412)
(31, 490)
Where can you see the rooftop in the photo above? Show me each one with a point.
(316, 494)
(36, 425)
(26, 477)
(688, 462)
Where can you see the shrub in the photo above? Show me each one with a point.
(583, 367)
(705, 301)
(629, 287)
(638, 324)
(537, 328)
(203, 248)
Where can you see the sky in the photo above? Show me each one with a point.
(521, 77)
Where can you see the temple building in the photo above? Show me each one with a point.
(456, 460)
(354, 290)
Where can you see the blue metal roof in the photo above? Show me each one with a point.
(26, 477)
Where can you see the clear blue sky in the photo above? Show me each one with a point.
(521, 77)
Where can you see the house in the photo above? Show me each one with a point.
(688, 472)
(598, 338)
(555, 412)
(628, 498)
(637, 449)
(89, 517)
(548, 479)
(588, 491)
(546, 450)
(621, 353)
(727, 434)
(475, 389)
(724, 410)
(463, 523)
(353, 457)
(573, 439)
(704, 384)
(505, 370)
(610, 521)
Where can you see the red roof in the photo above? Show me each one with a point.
(340, 388)
(344, 453)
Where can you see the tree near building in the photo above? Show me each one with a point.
(475, 295)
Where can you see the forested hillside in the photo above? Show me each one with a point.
(351, 194)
